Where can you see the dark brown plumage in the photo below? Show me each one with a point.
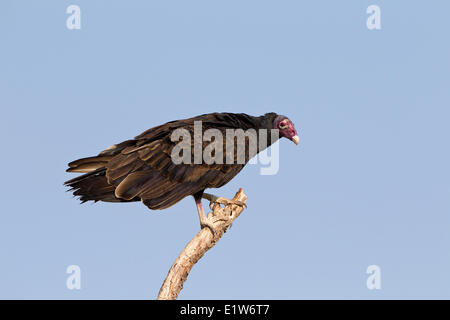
(142, 168)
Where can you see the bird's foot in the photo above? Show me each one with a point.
(225, 202)
(220, 200)
(206, 223)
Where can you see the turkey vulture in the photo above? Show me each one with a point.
(142, 169)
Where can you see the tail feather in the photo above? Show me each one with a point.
(93, 186)
(88, 164)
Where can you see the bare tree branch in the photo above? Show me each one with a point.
(203, 241)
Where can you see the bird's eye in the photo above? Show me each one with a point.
(283, 125)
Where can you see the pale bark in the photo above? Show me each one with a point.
(222, 219)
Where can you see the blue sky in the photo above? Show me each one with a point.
(368, 184)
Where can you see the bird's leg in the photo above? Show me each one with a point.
(215, 199)
(204, 221)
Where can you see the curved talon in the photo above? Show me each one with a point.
(226, 202)
(220, 200)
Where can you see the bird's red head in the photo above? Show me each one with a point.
(286, 128)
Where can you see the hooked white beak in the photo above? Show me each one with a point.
(296, 140)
